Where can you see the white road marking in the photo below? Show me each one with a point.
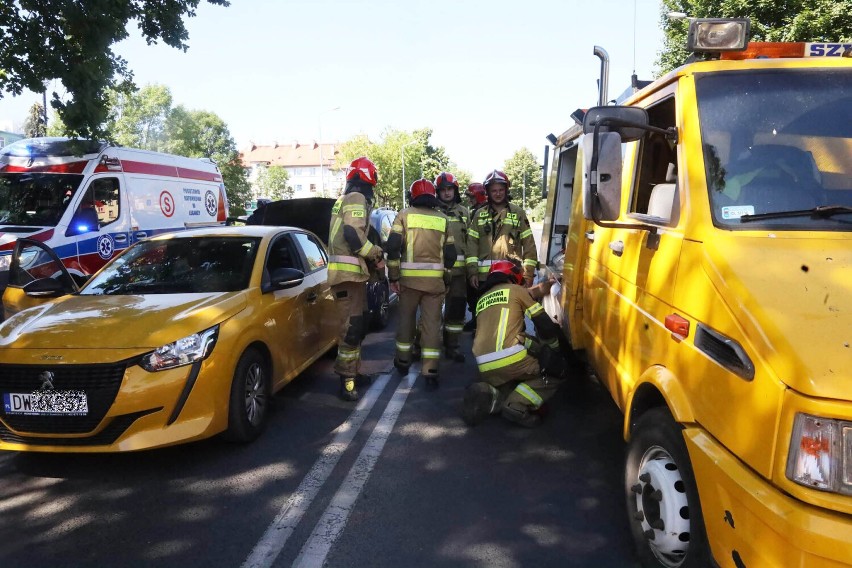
(333, 521)
(272, 542)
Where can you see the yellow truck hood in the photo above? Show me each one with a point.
(117, 322)
(793, 297)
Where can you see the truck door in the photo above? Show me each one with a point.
(100, 224)
(633, 277)
(36, 276)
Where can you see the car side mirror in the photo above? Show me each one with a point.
(45, 288)
(283, 278)
(83, 221)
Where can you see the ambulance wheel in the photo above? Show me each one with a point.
(662, 499)
(251, 395)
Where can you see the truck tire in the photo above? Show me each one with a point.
(663, 508)
(251, 395)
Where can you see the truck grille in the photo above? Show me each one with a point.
(99, 382)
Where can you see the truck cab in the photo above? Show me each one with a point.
(702, 231)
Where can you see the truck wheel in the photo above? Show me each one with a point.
(251, 393)
(662, 500)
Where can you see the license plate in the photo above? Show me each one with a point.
(46, 403)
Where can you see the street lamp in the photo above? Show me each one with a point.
(319, 120)
(402, 156)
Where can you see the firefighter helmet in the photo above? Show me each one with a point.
(364, 170)
(422, 187)
(509, 268)
(446, 179)
(497, 176)
(476, 192)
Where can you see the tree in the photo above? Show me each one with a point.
(524, 171)
(138, 119)
(72, 41)
(34, 126)
(786, 20)
(272, 182)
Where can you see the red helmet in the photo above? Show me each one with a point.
(422, 187)
(476, 192)
(509, 268)
(446, 178)
(497, 176)
(363, 169)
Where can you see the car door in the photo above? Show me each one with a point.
(36, 276)
(320, 309)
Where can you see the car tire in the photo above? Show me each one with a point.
(381, 315)
(663, 507)
(251, 396)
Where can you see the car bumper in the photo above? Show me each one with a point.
(751, 523)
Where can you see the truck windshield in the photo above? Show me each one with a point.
(776, 142)
(35, 199)
(181, 265)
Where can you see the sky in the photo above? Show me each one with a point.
(489, 77)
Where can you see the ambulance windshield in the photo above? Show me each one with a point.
(775, 142)
(35, 199)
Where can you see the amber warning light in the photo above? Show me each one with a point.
(678, 325)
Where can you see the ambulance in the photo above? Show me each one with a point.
(702, 232)
(89, 201)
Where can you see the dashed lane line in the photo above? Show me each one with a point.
(273, 540)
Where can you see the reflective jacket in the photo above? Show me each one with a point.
(348, 246)
(457, 215)
(420, 248)
(500, 339)
(499, 236)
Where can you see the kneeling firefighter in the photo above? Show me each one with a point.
(519, 372)
(351, 255)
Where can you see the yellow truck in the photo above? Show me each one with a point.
(702, 234)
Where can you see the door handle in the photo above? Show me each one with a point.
(122, 238)
(617, 247)
(312, 297)
(141, 235)
(590, 236)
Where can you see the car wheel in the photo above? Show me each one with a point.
(662, 498)
(251, 394)
(381, 315)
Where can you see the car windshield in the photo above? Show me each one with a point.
(776, 142)
(182, 265)
(35, 199)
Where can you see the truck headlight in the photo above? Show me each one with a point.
(821, 454)
(192, 348)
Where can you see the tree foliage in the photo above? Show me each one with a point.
(781, 20)
(72, 40)
(272, 182)
(524, 172)
(138, 119)
(34, 126)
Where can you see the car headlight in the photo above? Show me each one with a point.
(821, 454)
(5, 262)
(192, 348)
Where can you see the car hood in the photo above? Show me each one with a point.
(311, 213)
(118, 322)
(793, 298)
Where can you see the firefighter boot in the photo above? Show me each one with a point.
(431, 381)
(348, 392)
(522, 416)
(480, 400)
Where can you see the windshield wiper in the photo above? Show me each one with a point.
(821, 212)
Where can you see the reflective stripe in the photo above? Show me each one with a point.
(458, 264)
(471, 260)
(345, 355)
(417, 272)
(533, 310)
(528, 393)
(406, 347)
(486, 263)
(344, 267)
(345, 259)
(454, 328)
(365, 250)
(423, 265)
(501, 328)
(393, 263)
(430, 354)
(473, 233)
(431, 222)
(345, 263)
(353, 207)
(334, 228)
(501, 358)
(460, 257)
(527, 233)
(530, 262)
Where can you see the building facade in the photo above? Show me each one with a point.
(312, 168)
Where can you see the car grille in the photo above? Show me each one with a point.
(99, 382)
(105, 437)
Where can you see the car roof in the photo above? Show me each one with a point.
(228, 231)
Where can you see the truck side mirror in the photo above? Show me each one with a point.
(602, 187)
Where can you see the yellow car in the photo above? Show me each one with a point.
(182, 337)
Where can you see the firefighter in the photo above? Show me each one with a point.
(499, 231)
(449, 202)
(519, 372)
(420, 250)
(477, 198)
(351, 257)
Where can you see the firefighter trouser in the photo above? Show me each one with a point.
(350, 305)
(520, 384)
(430, 327)
(454, 306)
